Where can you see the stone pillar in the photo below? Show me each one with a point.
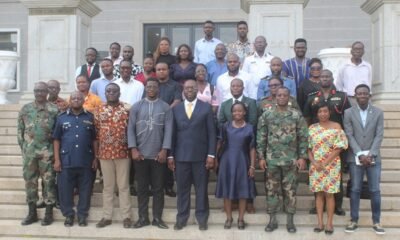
(334, 58)
(8, 66)
(59, 32)
(280, 21)
(385, 24)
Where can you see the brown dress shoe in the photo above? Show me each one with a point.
(103, 222)
(127, 223)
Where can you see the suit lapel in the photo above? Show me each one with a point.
(370, 115)
(195, 110)
(356, 113)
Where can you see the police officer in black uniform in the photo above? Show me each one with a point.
(74, 147)
(338, 102)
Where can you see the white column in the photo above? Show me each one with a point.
(385, 24)
(280, 21)
(334, 58)
(59, 32)
(8, 66)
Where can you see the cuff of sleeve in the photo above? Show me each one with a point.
(170, 157)
(212, 156)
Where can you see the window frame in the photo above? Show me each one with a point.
(18, 71)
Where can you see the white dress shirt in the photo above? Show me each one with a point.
(117, 61)
(350, 75)
(79, 70)
(258, 67)
(204, 50)
(222, 90)
(363, 115)
(131, 92)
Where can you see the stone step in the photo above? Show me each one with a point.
(391, 142)
(10, 107)
(387, 189)
(4, 131)
(9, 140)
(392, 123)
(302, 218)
(9, 115)
(391, 133)
(391, 115)
(8, 122)
(11, 229)
(304, 203)
(10, 150)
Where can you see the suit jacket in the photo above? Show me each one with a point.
(194, 138)
(225, 113)
(364, 138)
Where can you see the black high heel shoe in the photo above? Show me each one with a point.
(241, 224)
(228, 223)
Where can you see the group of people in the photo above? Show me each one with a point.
(221, 107)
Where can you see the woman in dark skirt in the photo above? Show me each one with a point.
(236, 165)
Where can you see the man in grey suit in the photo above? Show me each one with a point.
(363, 125)
(192, 154)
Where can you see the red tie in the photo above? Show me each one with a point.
(89, 71)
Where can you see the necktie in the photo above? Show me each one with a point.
(236, 101)
(189, 110)
(89, 70)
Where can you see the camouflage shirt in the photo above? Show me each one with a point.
(35, 125)
(282, 137)
(269, 103)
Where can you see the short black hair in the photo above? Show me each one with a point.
(276, 78)
(109, 60)
(357, 42)
(91, 48)
(82, 76)
(239, 103)
(115, 43)
(362, 86)
(300, 40)
(283, 87)
(321, 104)
(315, 60)
(130, 63)
(190, 54)
(209, 21)
(151, 79)
(113, 84)
(241, 23)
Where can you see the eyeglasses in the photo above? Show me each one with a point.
(315, 68)
(274, 85)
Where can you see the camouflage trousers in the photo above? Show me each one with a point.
(281, 180)
(39, 163)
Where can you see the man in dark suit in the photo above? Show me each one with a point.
(90, 69)
(363, 125)
(225, 115)
(192, 155)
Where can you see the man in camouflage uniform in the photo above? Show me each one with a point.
(282, 148)
(337, 102)
(35, 123)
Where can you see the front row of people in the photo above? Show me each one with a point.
(184, 138)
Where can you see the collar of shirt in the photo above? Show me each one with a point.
(193, 102)
(362, 63)
(131, 81)
(211, 40)
(265, 55)
(239, 99)
(238, 42)
(69, 112)
(363, 111)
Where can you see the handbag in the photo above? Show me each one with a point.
(364, 194)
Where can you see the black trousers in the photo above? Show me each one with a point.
(188, 173)
(168, 178)
(68, 179)
(132, 176)
(150, 173)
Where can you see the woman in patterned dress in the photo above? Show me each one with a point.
(326, 141)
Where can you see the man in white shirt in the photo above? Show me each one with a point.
(222, 91)
(131, 89)
(204, 48)
(354, 72)
(115, 51)
(257, 65)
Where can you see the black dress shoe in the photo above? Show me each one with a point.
(159, 223)
(69, 221)
(203, 226)
(340, 212)
(179, 226)
(103, 222)
(82, 221)
(141, 223)
(170, 192)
